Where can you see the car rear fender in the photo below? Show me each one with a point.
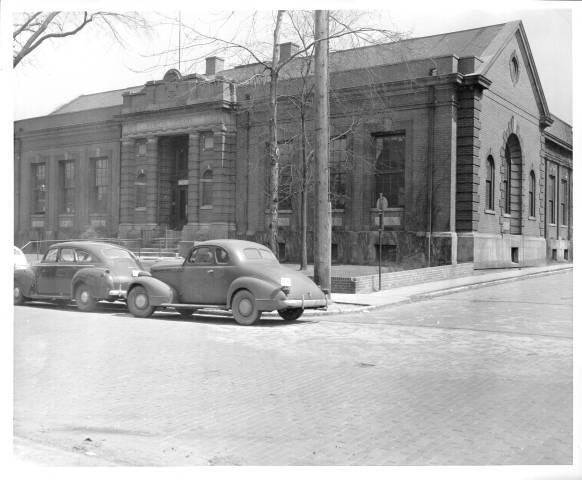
(261, 289)
(96, 278)
(24, 278)
(158, 291)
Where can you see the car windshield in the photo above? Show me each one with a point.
(19, 257)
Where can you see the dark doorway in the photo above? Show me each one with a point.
(173, 181)
(512, 182)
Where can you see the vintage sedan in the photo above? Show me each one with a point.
(236, 275)
(84, 271)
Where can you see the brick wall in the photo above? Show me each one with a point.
(369, 283)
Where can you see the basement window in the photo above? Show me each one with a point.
(514, 255)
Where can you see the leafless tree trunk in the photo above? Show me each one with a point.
(273, 140)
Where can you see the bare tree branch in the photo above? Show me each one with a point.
(32, 30)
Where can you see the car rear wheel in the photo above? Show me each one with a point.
(244, 308)
(186, 312)
(291, 314)
(18, 297)
(85, 301)
(138, 302)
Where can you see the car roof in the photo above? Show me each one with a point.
(85, 244)
(232, 244)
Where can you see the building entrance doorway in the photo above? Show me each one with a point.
(173, 178)
(512, 181)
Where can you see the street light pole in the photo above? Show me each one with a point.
(322, 260)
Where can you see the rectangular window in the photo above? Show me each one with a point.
(285, 176)
(67, 186)
(389, 167)
(564, 202)
(39, 188)
(99, 185)
(338, 168)
(551, 199)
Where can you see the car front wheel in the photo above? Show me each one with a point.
(244, 308)
(291, 314)
(85, 301)
(138, 303)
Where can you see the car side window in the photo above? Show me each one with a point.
(201, 256)
(222, 256)
(67, 255)
(84, 256)
(51, 255)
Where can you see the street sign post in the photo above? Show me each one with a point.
(381, 205)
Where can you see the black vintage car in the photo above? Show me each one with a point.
(84, 271)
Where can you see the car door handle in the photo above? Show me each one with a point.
(211, 271)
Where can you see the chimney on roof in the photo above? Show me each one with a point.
(286, 50)
(213, 65)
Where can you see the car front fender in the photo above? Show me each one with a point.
(158, 291)
(261, 289)
(24, 278)
(97, 279)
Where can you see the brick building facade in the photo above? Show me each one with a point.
(453, 129)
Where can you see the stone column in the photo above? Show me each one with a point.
(193, 177)
(151, 170)
(127, 194)
(52, 195)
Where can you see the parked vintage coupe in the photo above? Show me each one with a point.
(83, 271)
(242, 276)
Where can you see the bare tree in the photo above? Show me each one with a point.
(249, 45)
(31, 30)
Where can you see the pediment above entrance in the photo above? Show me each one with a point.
(186, 123)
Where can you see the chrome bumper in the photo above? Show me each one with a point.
(320, 303)
(118, 293)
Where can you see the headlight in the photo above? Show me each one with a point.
(286, 285)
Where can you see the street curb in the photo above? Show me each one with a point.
(441, 292)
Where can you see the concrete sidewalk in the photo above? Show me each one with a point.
(346, 303)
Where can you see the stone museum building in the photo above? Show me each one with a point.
(454, 130)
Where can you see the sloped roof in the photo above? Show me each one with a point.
(474, 42)
(561, 130)
(93, 100)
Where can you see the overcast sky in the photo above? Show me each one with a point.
(91, 62)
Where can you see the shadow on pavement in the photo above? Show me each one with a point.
(210, 317)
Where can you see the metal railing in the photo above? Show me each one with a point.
(142, 247)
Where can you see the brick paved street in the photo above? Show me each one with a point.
(479, 377)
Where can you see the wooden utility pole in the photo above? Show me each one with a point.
(322, 250)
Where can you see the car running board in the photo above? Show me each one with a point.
(194, 305)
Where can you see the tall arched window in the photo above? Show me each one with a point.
(490, 184)
(207, 178)
(532, 194)
(507, 182)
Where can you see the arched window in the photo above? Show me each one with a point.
(490, 184)
(532, 194)
(507, 182)
(140, 189)
(207, 188)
